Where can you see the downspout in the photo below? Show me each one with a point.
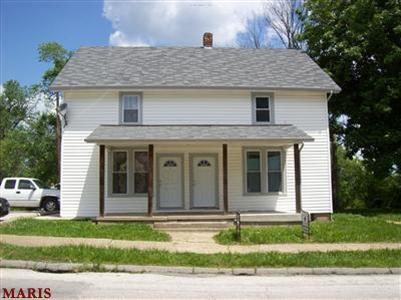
(333, 150)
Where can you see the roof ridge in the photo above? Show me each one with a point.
(187, 47)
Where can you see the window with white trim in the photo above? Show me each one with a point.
(253, 175)
(140, 172)
(119, 172)
(130, 108)
(274, 172)
(263, 171)
(262, 109)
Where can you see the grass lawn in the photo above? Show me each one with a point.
(394, 215)
(83, 228)
(345, 227)
(87, 254)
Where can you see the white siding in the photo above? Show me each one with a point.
(122, 204)
(197, 107)
(89, 109)
(309, 112)
(79, 165)
(284, 201)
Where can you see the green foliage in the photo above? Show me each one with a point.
(16, 103)
(29, 150)
(54, 53)
(385, 193)
(359, 44)
(343, 228)
(83, 228)
(353, 181)
(27, 139)
(360, 188)
(42, 148)
(97, 256)
(13, 153)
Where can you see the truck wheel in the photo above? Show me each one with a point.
(50, 205)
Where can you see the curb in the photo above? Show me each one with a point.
(135, 269)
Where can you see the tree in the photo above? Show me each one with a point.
(13, 149)
(57, 55)
(41, 151)
(283, 16)
(254, 35)
(29, 149)
(16, 105)
(359, 44)
(353, 186)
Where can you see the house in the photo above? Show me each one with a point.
(194, 130)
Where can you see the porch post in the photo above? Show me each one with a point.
(297, 167)
(150, 179)
(225, 180)
(101, 180)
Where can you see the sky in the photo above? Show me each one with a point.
(24, 24)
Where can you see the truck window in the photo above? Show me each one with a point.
(10, 184)
(25, 185)
(40, 184)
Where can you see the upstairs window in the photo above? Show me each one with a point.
(262, 109)
(130, 108)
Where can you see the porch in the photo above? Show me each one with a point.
(198, 173)
(203, 221)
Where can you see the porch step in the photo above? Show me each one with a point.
(192, 226)
(203, 221)
(270, 219)
(167, 218)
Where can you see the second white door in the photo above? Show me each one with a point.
(204, 181)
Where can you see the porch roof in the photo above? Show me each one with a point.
(116, 133)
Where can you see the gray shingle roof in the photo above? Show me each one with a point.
(149, 67)
(110, 133)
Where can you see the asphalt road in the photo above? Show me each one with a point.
(153, 286)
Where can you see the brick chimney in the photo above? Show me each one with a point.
(208, 40)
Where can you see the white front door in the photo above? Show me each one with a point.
(170, 182)
(204, 181)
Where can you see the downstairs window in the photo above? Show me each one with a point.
(263, 171)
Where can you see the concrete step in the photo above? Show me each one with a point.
(193, 226)
(167, 218)
(271, 219)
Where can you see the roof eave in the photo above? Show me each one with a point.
(336, 89)
(122, 140)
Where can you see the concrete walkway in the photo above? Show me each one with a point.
(197, 242)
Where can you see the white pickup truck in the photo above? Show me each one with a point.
(29, 192)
